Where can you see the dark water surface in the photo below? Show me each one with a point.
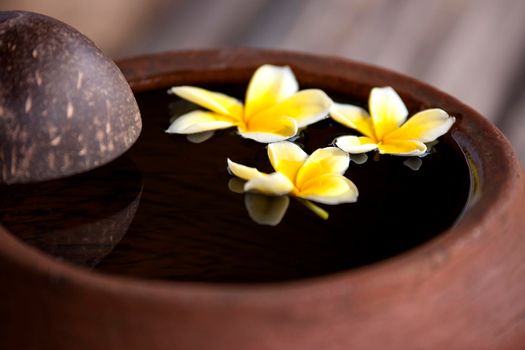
(164, 209)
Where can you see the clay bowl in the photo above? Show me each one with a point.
(461, 290)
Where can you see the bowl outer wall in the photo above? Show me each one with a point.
(461, 290)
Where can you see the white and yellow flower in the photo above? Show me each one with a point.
(386, 128)
(274, 109)
(318, 177)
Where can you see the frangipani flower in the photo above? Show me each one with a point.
(318, 177)
(274, 108)
(387, 128)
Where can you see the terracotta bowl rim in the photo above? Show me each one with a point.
(144, 72)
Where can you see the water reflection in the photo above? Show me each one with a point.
(79, 219)
(359, 158)
(262, 209)
(200, 137)
(413, 163)
(266, 210)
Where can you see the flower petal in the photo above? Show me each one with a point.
(329, 160)
(214, 101)
(263, 137)
(329, 189)
(286, 158)
(425, 126)
(355, 144)
(403, 148)
(305, 107)
(387, 110)
(266, 210)
(269, 130)
(275, 184)
(243, 171)
(269, 85)
(199, 121)
(353, 117)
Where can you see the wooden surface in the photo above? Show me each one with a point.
(472, 49)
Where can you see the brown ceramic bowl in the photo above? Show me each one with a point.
(461, 290)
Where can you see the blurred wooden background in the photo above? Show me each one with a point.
(473, 49)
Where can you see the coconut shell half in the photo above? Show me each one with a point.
(65, 108)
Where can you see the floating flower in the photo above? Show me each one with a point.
(318, 177)
(274, 108)
(387, 128)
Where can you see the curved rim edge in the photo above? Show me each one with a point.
(412, 263)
